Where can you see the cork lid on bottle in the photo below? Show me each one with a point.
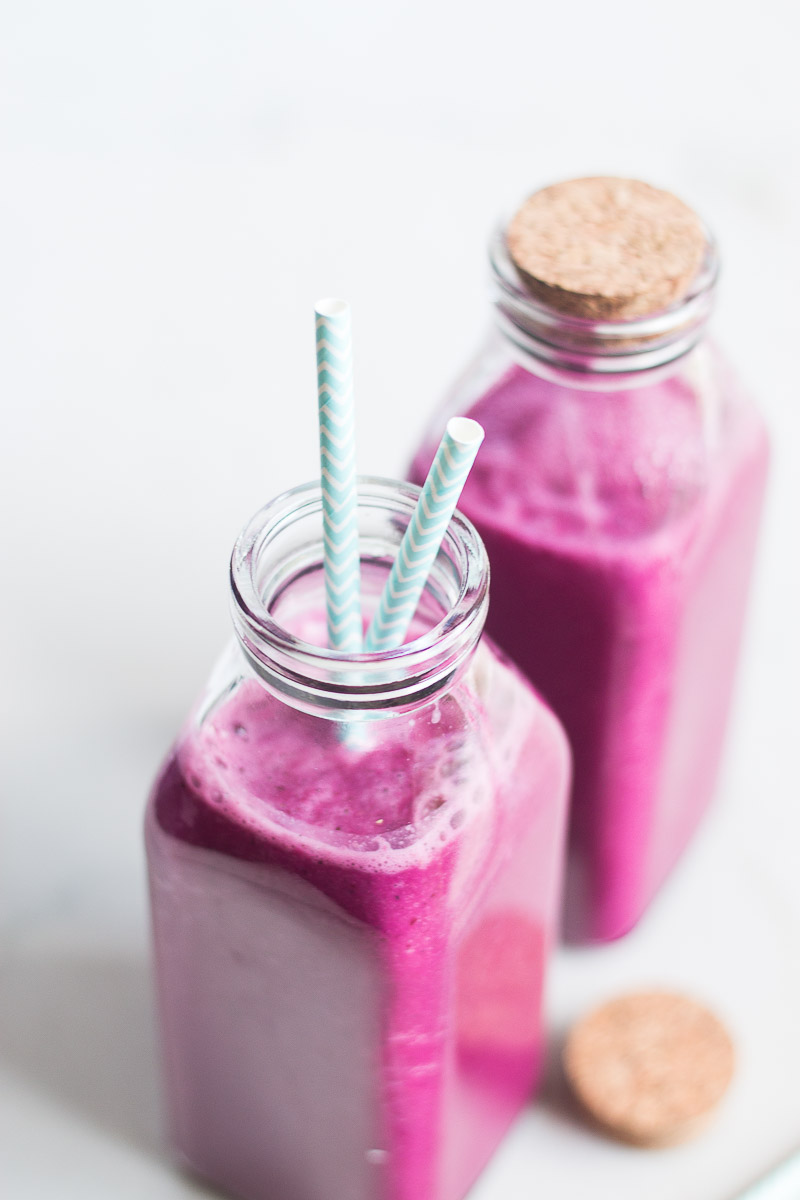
(606, 249)
(650, 1067)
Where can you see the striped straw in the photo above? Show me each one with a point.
(424, 534)
(337, 445)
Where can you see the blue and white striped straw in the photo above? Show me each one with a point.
(337, 445)
(424, 534)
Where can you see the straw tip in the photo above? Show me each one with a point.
(331, 306)
(465, 431)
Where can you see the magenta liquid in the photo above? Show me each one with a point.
(621, 528)
(351, 939)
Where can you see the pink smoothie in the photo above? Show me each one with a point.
(620, 528)
(351, 937)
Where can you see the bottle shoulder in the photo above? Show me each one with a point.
(250, 763)
(571, 464)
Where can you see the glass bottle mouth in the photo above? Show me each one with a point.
(566, 345)
(276, 567)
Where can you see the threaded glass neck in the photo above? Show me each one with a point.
(277, 583)
(566, 347)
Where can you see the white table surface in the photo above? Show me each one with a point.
(180, 181)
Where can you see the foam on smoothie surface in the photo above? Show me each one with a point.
(257, 750)
(256, 754)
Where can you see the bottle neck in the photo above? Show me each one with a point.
(277, 596)
(596, 354)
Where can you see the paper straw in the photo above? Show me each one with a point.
(424, 534)
(337, 446)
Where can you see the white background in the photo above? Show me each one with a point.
(178, 183)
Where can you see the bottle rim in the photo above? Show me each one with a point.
(330, 682)
(564, 345)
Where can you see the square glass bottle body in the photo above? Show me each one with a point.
(620, 519)
(351, 928)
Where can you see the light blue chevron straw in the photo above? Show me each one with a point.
(337, 445)
(425, 531)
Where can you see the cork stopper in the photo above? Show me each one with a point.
(650, 1068)
(606, 249)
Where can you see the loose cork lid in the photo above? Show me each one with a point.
(650, 1067)
(606, 249)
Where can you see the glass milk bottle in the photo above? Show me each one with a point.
(354, 867)
(618, 495)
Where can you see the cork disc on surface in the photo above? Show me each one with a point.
(606, 249)
(650, 1067)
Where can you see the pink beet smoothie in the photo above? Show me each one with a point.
(621, 528)
(351, 938)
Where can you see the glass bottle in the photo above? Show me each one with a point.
(618, 494)
(354, 868)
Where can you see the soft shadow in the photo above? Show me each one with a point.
(81, 1028)
(555, 1094)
